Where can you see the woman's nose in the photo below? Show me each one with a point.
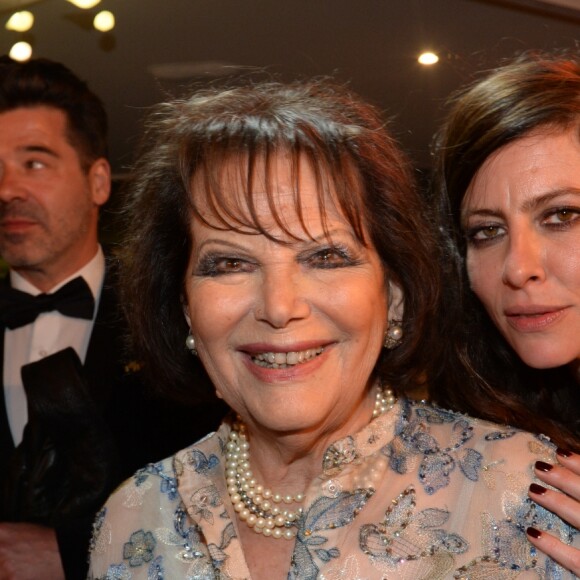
(524, 262)
(283, 297)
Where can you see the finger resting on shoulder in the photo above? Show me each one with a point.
(563, 506)
(569, 460)
(566, 556)
(560, 477)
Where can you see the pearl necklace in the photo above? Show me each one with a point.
(385, 400)
(263, 510)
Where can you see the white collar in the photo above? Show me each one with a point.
(93, 272)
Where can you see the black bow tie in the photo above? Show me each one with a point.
(20, 308)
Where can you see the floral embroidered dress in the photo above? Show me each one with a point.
(420, 493)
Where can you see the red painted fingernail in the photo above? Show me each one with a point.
(538, 489)
(541, 466)
(534, 533)
(564, 452)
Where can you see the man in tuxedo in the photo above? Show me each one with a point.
(75, 418)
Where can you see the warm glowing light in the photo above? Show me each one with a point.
(428, 58)
(85, 4)
(20, 21)
(21, 51)
(104, 21)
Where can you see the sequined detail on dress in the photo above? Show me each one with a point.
(421, 493)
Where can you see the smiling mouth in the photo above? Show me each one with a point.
(284, 360)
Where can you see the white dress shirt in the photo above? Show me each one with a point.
(49, 333)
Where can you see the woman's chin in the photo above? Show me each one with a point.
(546, 359)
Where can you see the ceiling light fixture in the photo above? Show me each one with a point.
(85, 4)
(20, 21)
(23, 21)
(428, 58)
(104, 21)
(21, 51)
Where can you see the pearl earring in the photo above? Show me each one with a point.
(393, 335)
(190, 344)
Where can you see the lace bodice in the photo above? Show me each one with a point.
(420, 493)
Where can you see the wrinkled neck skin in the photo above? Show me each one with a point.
(289, 463)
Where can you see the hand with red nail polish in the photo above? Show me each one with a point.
(564, 501)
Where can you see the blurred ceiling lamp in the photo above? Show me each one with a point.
(428, 58)
(20, 21)
(21, 51)
(85, 4)
(104, 21)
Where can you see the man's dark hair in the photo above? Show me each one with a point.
(45, 83)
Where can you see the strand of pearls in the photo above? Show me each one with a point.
(263, 510)
(385, 400)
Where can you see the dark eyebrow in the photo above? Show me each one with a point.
(533, 204)
(39, 149)
(484, 212)
(530, 205)
(316, 239)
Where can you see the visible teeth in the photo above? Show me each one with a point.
(282, 360)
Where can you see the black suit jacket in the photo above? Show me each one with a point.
(123, 426)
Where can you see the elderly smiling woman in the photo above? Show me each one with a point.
(276, 232)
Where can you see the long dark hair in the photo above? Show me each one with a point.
(345, 141)
(535, 91)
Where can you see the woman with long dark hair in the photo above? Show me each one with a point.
(508, 176)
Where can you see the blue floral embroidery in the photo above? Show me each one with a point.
(217, 553)
(429, 442)
(433, 415)
(470, 463)
(388, 541)
(507, 552)
(497, 435)
(141, 476)
(202, 500)
(168, 484)
(195, 459)
(327, 555)
(156, 571)
(434, 471)
(534, 515)
(507, 548)
(118, 572)
(554, 571)
(412, 438)
(139, 548)
(325, 513)
(193, 546)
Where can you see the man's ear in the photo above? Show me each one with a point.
(100, 181)
(396, 301)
